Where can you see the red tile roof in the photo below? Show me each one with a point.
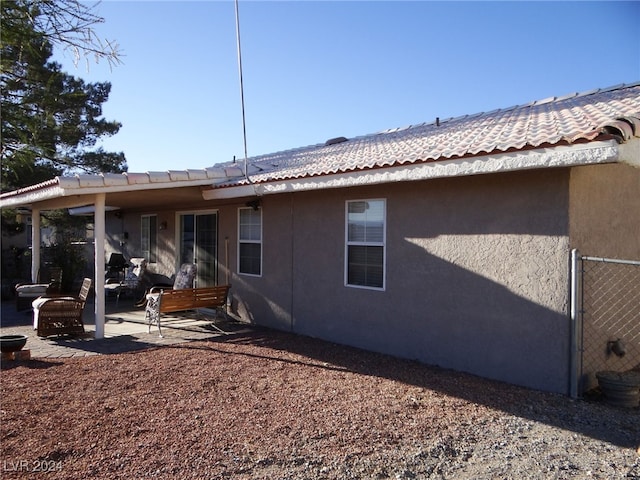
(578, 118)
(554, 121)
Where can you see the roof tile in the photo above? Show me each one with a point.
(548, 122)
(551, 121)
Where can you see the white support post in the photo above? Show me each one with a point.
(100, 233)
(35, 244)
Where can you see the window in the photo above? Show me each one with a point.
(250, 241)
(365, 246)
(149, 237)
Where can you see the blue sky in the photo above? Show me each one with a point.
(318, 70)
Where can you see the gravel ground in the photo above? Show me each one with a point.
(269, 405)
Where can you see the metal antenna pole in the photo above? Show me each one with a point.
(244, 127)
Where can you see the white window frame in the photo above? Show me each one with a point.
(382, 244)
(242, 241)
(144, 232)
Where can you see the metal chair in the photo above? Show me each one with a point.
(116, 266)
(130, 282)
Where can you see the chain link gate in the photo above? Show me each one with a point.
(605, 311)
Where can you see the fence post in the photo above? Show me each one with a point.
(576, 325)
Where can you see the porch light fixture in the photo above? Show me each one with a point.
(255, 204)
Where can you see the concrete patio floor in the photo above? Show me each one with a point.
(125, 330)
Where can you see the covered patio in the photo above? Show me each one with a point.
(125, 329)
(98, 194)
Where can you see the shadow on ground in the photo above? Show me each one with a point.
(590, 417)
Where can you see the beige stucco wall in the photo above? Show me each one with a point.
(604, 216)
(605, 222)
(477, 274)
(264, 299)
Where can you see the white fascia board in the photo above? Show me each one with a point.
(562, 156)
(139, 187)
(74, 189)
(89, 210)
(34, 196)
(231, 192)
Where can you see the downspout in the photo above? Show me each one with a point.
(100, 234)
(35, 244)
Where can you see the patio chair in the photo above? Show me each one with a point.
(116, 266)
(48, 283)
(60, 315)
(185, 278)
(130, 282)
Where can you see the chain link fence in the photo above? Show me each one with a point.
(610, 317)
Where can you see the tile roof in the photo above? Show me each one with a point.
(575, 118)
(570, 119)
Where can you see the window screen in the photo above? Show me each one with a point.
(365, 246)
(148, 237)
(250, 241)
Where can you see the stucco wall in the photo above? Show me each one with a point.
(477, 274)
(265, 299)
(605, 222)
(605, 211)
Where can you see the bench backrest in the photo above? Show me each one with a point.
(191, 298)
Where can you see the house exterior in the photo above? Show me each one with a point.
(447, 242)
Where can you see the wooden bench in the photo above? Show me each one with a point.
(168, 301)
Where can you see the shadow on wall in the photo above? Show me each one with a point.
(450, 316)
(514, 329)
(253, 307)
(476, 280)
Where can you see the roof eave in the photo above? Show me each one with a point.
(36, 194)
(551, 157)
(87, 185)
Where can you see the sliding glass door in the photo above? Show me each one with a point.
(199, 245)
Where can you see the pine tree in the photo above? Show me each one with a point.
(51, 121)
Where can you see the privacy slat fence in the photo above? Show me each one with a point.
(605, 310)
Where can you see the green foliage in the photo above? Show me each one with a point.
(51, 121)
(69, 228)
(67, 248)
(10, 226)
(70, 258)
